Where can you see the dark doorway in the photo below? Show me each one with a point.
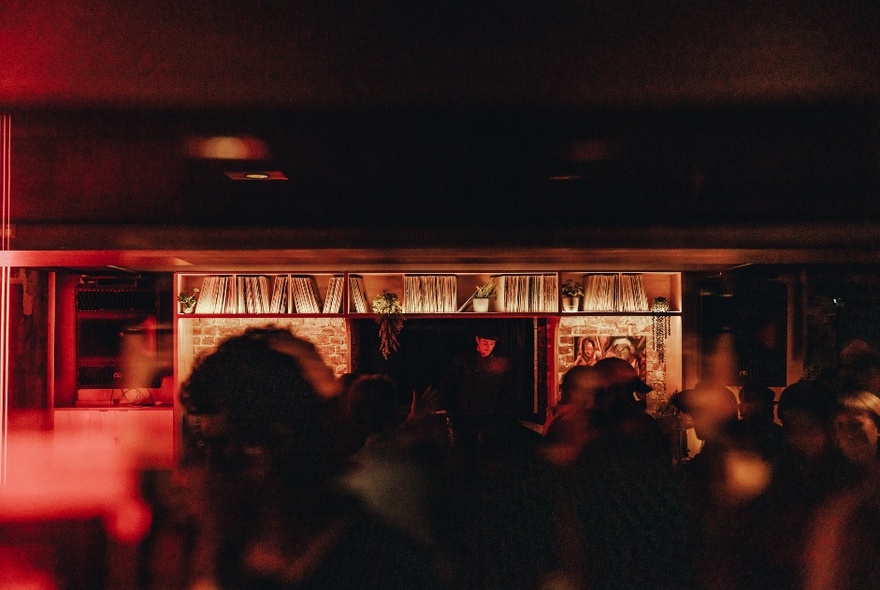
(428, 345)
(752, 315)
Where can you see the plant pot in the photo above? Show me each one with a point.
(481, 304)
(187, 309)
(571, 303)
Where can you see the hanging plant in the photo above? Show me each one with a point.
(661, 327)
(389, 316)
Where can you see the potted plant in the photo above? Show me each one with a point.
(661, 326)
(572, 291)
(481, 297)
(389, 316)
(188, 302)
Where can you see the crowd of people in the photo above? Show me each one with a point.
(292, 478)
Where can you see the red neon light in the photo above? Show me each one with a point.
(5, 278)
(6, 178)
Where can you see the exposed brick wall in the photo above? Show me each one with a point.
(570, 327)
(329, 335)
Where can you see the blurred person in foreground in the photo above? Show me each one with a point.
(844, 539)
(723, 476)
(809, 471)
(715, 418)
(856, 428)
(569, 423)
(263, 476)
(620, 514)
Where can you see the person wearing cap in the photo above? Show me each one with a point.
(621, 405)
(623, 386)
(617, 492)
(603, 399)
(476, 387)
(756, 408)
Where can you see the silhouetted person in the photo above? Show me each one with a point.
(349, 436)
(569, 425)
(620, 407)
(262, 472)
(759, 426)
(390, 473)
(476, 389)
(494, 512)
(373, 399)
(844, 540)
(618, 502)
(808, 472)
(715, 486)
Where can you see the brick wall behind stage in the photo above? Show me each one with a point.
(570, 327)
(329, 335)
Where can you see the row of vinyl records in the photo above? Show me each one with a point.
(624, 292)
(421, 294)
(257, 294)
(284, 294)
(528, 293)
(280, 294)
(439, 294)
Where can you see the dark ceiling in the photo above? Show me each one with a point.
(505, 168)
(514, 123)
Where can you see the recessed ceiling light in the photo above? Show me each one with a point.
(227, 147)
(257, 175)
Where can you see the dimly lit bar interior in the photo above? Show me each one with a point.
(505, 295)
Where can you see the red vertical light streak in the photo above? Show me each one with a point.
(5, 276)
(6, 157)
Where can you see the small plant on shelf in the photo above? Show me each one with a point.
(572, 288)
(572, 291)
(485, 291)
(389, 316)
(188, 302)
(480, 298)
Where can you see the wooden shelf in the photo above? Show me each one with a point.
(423, 293)
(116, 326)
(269, 294)
(341, 337)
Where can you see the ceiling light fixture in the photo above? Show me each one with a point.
(257, 175)
(227, 147)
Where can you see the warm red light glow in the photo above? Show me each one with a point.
(6, 179)
(73, 476)
(222, 147)
(130, 522)
(5, 278)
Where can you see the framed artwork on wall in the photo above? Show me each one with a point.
(632, 349)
